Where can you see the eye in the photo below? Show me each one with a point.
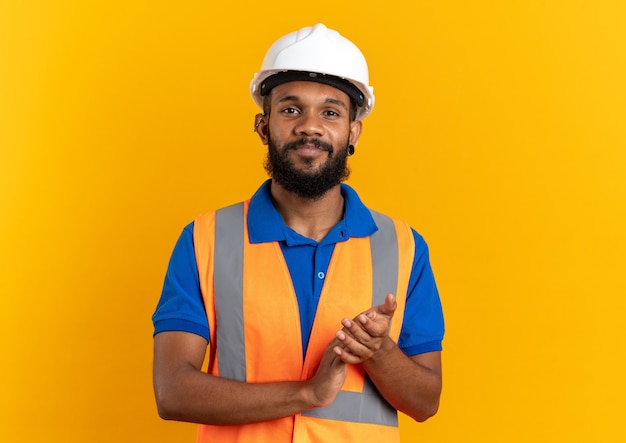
(290, 110)
(331, 113)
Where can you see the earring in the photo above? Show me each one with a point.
(259, 120)
(256, 127)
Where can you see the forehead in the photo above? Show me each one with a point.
(309, 91)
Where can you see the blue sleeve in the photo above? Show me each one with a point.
(181, 307)
(423, 326)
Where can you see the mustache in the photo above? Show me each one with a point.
(319, 144)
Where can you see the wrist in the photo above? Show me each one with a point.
(306, 395)
(387, 346)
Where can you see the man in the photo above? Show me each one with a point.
(272, 285)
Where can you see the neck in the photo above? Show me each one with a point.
(310, 218)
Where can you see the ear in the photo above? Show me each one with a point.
(260, 127)
(355, 131)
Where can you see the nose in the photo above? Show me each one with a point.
(309, 125)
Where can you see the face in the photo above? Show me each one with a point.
(307, 132)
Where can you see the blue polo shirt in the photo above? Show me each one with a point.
(181, 307)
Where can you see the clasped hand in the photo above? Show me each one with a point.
(359, 340)
(362, 337)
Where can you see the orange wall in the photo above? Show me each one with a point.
(498, 133)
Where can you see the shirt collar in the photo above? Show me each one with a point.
(265, 224)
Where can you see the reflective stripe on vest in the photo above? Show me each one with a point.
(365, 407)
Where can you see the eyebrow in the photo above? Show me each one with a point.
(295, 98)
(334, 101)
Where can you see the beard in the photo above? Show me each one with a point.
(311, 185)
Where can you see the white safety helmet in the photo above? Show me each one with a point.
(316, 54)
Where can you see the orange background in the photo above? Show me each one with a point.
(498, 133)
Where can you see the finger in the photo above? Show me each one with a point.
(337, 361)
(332, 359)
(366, 330)
(355, 348)
(345, 356)
(358, 328)
(370, 313)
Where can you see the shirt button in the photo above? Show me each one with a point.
(320, 275)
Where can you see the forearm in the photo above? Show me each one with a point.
(197, 397)
(183, 392)
(406, 384)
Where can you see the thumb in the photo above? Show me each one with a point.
(389, 306)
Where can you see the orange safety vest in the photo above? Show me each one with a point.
(254, 324)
